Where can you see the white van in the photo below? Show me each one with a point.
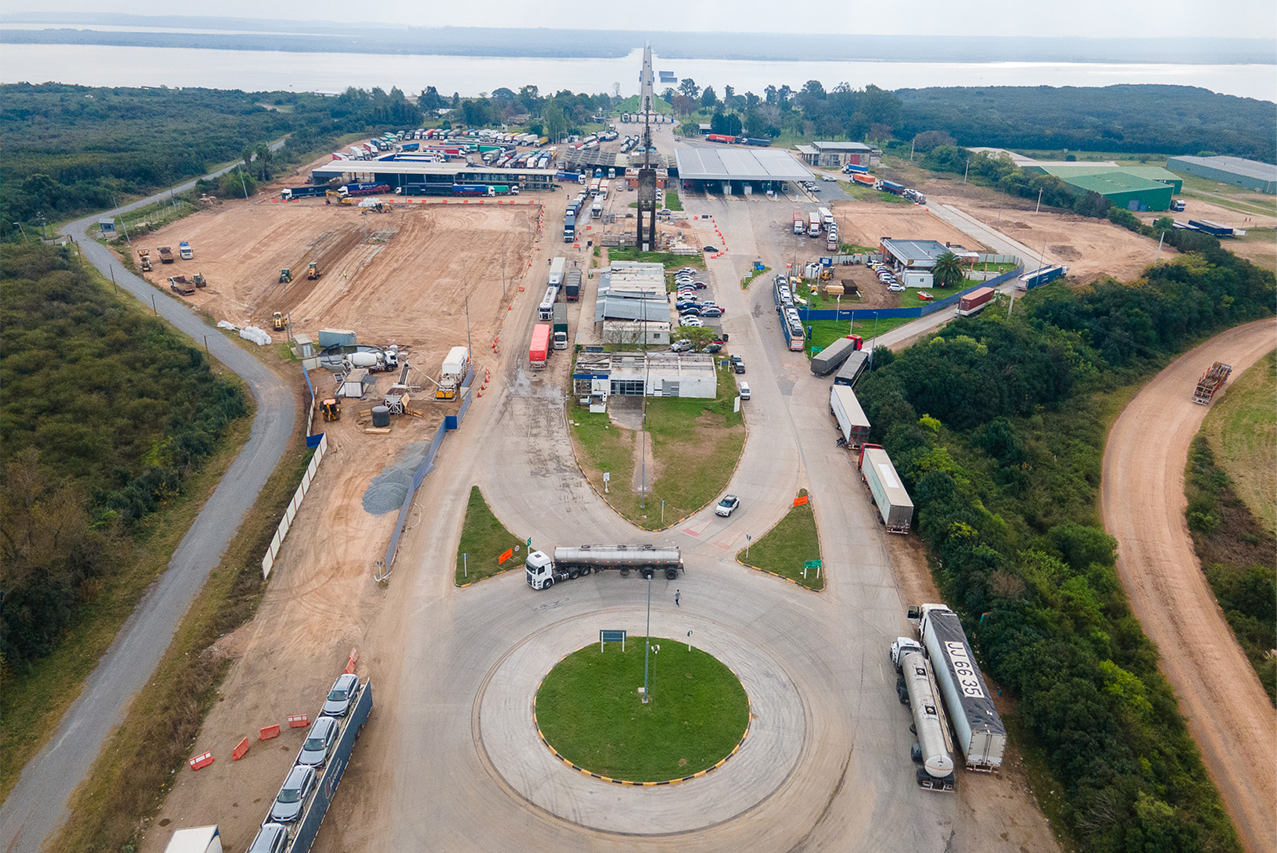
(743, 389)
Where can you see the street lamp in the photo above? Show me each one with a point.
(655, 651)
(647, 641)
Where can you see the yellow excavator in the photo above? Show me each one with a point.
(313, 273)
(278, 321)
(331, 409)
(145, 258)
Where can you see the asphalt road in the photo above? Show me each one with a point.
(37, 805)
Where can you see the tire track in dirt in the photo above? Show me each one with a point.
(1142, 502)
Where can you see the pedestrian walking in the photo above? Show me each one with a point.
(677, 595)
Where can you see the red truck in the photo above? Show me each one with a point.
(974, 301)
(719, 137)
(539, 351)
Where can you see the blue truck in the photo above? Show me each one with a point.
(291, 193)
(569, 227)
(1041, 276)
(753, 140)
(891, 187)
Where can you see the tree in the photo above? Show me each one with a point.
(556, 122)
(683, 105)
(948, 270)
(928, 140)
(699, 336)
(429, 99)
(689, 88)
(708, 98)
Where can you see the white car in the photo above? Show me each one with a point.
(896, 288)
(829, 178)
(690, 320)
(727, 506)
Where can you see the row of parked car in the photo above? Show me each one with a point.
(299, 786)
(689, 301)
(887, 277)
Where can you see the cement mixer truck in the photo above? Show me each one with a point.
(372, 360)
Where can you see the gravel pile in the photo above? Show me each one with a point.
(388, 489)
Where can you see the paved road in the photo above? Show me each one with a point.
(37, 805)
(454, 764)
(1142, 501)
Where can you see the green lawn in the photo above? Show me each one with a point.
(590, 711)
(787, 546)
(669, 259)
(753, 274)
(825, 332)
(864, 193)
(484, 538)
(672, 201)
(1242, 430)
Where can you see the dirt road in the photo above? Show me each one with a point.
(1142, 500)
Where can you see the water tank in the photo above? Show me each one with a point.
(380, 416)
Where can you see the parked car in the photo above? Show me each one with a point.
(686, 306)
(319, 743)
(344, 691)
(829, 178)
(690, 321)
(271, 838)
(727, 506)
(713, 348)
(292, 796)
(896, 287)
(688, 270)
(680, 346)
(711, 249)
(742, 388)
(738, 364)
(690, 311)
(712, 311)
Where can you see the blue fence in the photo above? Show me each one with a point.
(312, 441)
(427, 465)
(920, 311)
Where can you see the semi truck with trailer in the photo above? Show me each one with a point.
(826, 217)
(539, 349)
(348, 190)
(974, 302)
(933, 750)
(1041, 276)
(569, 226)
(800, 222)
(560, 329)
(895, 508)
(864, 179)
(557, 267)
(1215, 229)
(1212, 380)
(813, 224)
(851, 419)
(572, 285)
(852, 368)
(981, 736)
(543, 571)
(832, 357)
(290, 193)
(545, 311)
(891, 187)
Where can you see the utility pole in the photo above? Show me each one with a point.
(647, 641)
(243, 186)
(1039, 207)
(965, 170)
(469, 346)
(1160, 240)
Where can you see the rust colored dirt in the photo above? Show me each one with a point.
(1143, 504)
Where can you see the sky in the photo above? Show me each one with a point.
(1087, 18)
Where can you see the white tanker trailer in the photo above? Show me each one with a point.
(571, 563)
(933, 750)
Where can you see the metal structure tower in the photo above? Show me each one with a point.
(646, 175)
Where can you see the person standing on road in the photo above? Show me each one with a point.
(677, 595)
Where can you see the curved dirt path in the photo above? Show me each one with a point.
(1142, 501)
(37, 805)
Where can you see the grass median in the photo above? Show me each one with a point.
(1242, 431)
(590, 710)
(484, 538)
(785, 548)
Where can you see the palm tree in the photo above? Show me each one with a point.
(948, 270)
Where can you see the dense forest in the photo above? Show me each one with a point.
(106, 411)
(995, 424)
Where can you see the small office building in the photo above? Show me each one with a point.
(599, 375)
(835, 155)
(654, 333)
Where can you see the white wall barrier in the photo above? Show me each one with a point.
(277, 541)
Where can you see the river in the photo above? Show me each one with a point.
(256, 70)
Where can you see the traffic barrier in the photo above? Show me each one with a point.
(240, 750)
(352, 661)
(298, 721)
(269, 732)
(201, 761)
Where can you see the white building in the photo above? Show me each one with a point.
(599, 375)
(636, 332)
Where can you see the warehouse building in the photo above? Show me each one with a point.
(599, 375)
(1125, 190)
(438, 177)
(1066, 171)
(1251, 174)
(737, 170)
(632, 290)
(835, 155)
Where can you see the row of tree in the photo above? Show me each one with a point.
(995, 424)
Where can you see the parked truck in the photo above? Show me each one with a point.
(813, 224)
(1215, 229)
(865, 179)
(545, 311)
(166, 254)
(453, 373)
(290, 193)
(570, 563)
(539, 349)
(184, 251)
(891, 187)
(832, 357)
(569, 227)
(851, 419)
(372, 188)
(197, 839)
(572, 286)
(895, 508)
(1212, 380)
(974, 302)
(1177, 205)
(800, 222)
(1041, 276)
(980, 733)
(557, 267)
(933, 750)
(560, 330)
(852, 368)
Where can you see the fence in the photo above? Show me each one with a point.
(920, 311)
(427, 465)
(311, 440)
(293, 506)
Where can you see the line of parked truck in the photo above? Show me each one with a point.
(863, 178)
(738, 140)
(546, 338)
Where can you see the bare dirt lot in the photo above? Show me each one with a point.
(404, 282)
(866, 224)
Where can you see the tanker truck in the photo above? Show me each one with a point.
(570, 563)
(933, 751)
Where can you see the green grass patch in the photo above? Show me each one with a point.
(590, 710)
(825, 332)
(855, 249)
(786, 547)
(669, 259)
(153, 217)
(860, 192)
(672, 201)
(484, 538)
(1242, 431)
(753, 274)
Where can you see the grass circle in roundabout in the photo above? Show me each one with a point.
(589, 711)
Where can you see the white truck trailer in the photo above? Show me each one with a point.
(876, 471)
(933, 750)
(197, 839)
(980, 733)
(851, 419)
(557, 267)
(452, 373)
(570, 563)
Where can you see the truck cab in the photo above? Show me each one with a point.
(901, 647)
(540, 571)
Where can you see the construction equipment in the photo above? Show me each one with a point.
(278, 321)
(179, 284)
(1212, 380)
(331, 408)
(144, 257)
(313, 273)
(199, 280)
(166, 254)
(285, 276)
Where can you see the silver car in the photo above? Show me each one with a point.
(319, 743)
(344, 691)
(271, 838)
(293, 795)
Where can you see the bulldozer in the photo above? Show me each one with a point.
(331, 409)
(278, 321)
(313, 273)
(285, 276)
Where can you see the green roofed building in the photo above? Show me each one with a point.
(1067, 171)
(1125, 189)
